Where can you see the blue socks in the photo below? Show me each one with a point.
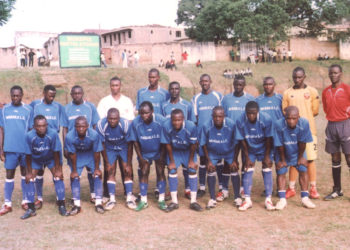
(268, 181)
(161, 185)
(39, 181)
(248, 182)
(202, 174)
(128, 187)
(30, 191)
(91, 181)
(219, 168)
(282, 194)
(193, 182)
(23, 183)
(75, 185)
(173, 182)
(185, 173)
(111, 187)
(236, 183)
(98, 187)
(9, 185)
(211, 184)
(225, 181)
(143, 188)
(60, 189)
(304, 194)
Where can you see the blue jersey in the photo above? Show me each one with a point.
(289, 138)
(184, 105)
(16, 122)
(219, 142)
(53, 113)
(113, 138)
(157, 98)
(86, 109)
(203, 106)
(256, 133)
(148, 135)
(83, 148)
(179, 140)
(235, 106)
(42, 148)
(271, 105)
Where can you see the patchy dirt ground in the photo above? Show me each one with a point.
(326, 227)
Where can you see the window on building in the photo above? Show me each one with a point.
(104, 39)
(178, 33)
(110, 40)
(129, 33)
(151, 31)
(114, 36)
(119, 41)
(170, 33)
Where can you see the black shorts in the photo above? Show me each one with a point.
(338, 135)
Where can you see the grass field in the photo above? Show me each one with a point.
(326, 227)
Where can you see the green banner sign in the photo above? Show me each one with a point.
(79, 50)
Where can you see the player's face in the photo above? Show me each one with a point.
(49, 96)
(334, 74)
(146, 114)
(292, 119)
(115, 87)
(16, 97)
(40, 127)
(218, 118)
(238, 86)
(81, 126)
(77, 95)
(298, 78)
(252, 114)
(174, 91)
(153, 78)
(177, 121)
(113, 119)
(269, 86)
(205, 83)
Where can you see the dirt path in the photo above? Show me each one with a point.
(175, 75)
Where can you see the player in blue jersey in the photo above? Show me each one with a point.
(84, 147)
(180, 139)
(203, 104)
(78, 107)
(255, 130)
(16, 119)
(234, 105)
(42, 148)
(145, 133)
(218, 141)
(176, 102)
(53, 112)
(153, 93)
(291, 135)
(113, 131)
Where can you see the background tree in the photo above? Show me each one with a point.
(5, 10)
(258, 20)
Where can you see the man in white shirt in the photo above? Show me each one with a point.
(116, 100)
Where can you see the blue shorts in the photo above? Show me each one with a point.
(12, 160)
(217, 158)
(40, 165)
(90, 167)
(112, 156)
(300, 168)
(181, 158)
(259, 157)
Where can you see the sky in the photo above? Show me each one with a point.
(76, 15)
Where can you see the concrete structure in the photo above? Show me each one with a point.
(344, 50)
(8, 58)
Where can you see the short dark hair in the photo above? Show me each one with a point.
(174, 82)
(81, 118)
(266, 78)
(297, 69)
(238, 78)
(154, 70)
(115, 78)
(205, 75)
(39, 117)
(218, 108)
(252, 105)
(112, 110)
(336, 66)
(291, 109)
(16, 87)
(146, 103)
(177, 112)
(77, 87)
(49, 87)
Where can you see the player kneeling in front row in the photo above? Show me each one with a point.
(180, 139)
(145, 133)
(42, 148)
(84, 146)
(218, 141)
(292, 134)
(255, 130)
(113, 131)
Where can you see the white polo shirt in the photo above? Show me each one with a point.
(124, 105)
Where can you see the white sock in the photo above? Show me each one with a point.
(8, 203)
(161, 197)
(144, 199)
(292, 185)
(129, 197)
(193, 197)
(174, 197)
(77, 203)
(112, 197)
(202, 188)
(247, 199)
(98, 202)
(313, 183)
(93, 195)
(225, 192)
